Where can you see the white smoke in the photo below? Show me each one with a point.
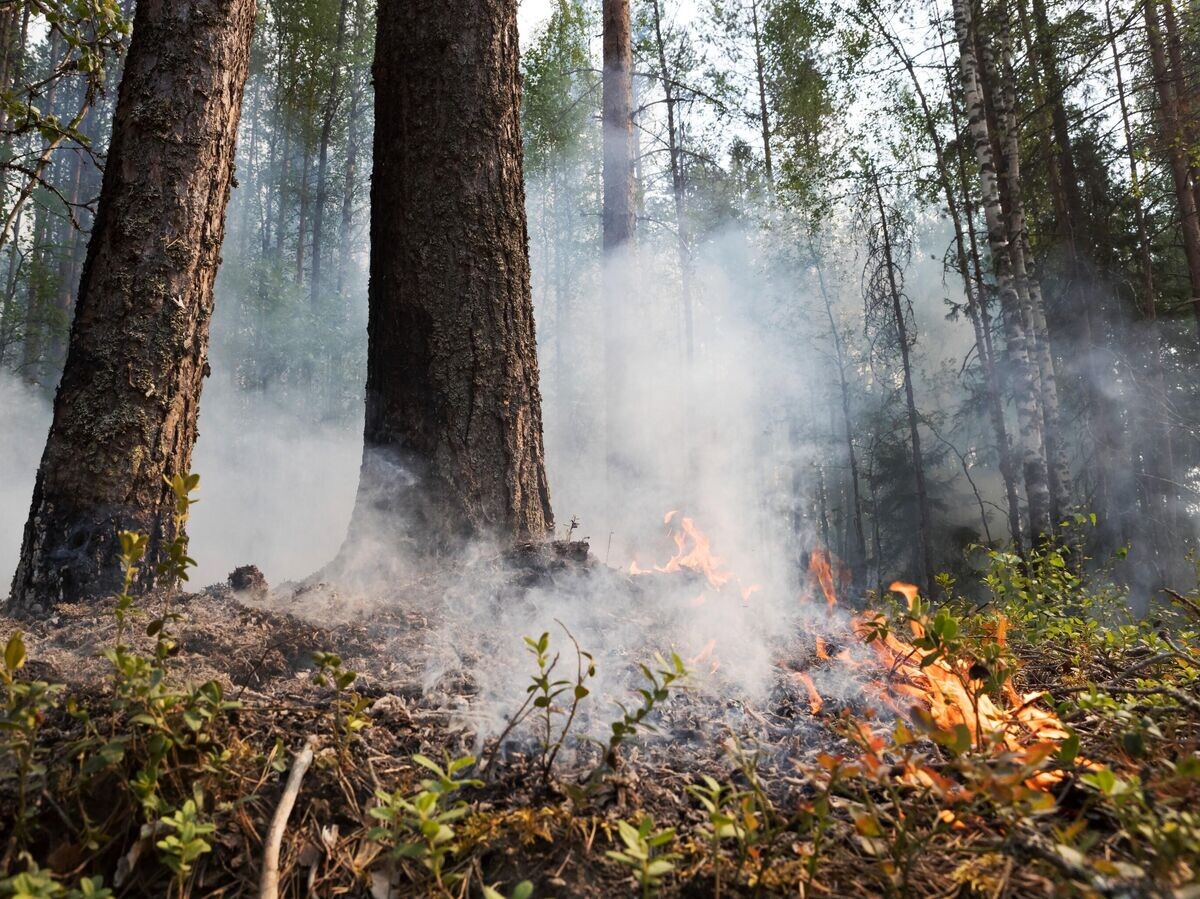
(24, 422)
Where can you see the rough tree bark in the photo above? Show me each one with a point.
(453, 437)
(125, 413)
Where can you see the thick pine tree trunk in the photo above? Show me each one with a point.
(453, 438)
(125, 413)
(617, 119)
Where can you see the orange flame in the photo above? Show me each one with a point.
(693, 552)
(820, 565)
(944, 688)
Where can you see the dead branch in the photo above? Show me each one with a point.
(269, 883)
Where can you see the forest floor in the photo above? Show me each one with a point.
(806, 797)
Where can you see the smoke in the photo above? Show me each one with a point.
(276, 488)
(24, 421)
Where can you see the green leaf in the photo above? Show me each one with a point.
(14, 652)
(1068, 751)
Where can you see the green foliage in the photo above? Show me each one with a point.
(35, 883)
(173, 567)
(644, 853)
(26, 704)
(545, 691)
(557, 70)
(659, 683)
(349, 708)
(523, 890)
(420, 827)
(541, 696)
(187, 841)
(747, 818)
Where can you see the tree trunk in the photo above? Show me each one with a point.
(760, 74)
(125, 413)
(281, 194)
(998, 83)
(618, 218)
(331, 105)
(1026, 389)
(1185, 198)
(350, 180)
(1154, 457)
(961, 220)
(349, 188)
(617, 116)
(1184, 93)
(453, 438)
(923, 518)
(675, 153)
(859, 559)
(302, 224)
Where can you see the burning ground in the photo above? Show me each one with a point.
(676, 728)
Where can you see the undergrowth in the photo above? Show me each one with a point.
(134, 788)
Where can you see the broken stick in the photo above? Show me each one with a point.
(268, 885)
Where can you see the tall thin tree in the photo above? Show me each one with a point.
(618, 219)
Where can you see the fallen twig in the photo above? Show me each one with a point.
(269, 883)
(1190, 604)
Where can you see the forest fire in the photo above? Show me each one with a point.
(915, 681)
(948, 693)
(693, 552)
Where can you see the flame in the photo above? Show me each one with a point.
(943, 688)
(693, 552)
(906, 681)
(704, 653)
(815, 702)
(820, 565)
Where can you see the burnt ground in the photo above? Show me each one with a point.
(520, 825)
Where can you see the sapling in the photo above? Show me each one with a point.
(349, 708)
(421, 826)
(660, 682)
(187, 840)
(541, 696)
(644, 853)
(25, 706)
